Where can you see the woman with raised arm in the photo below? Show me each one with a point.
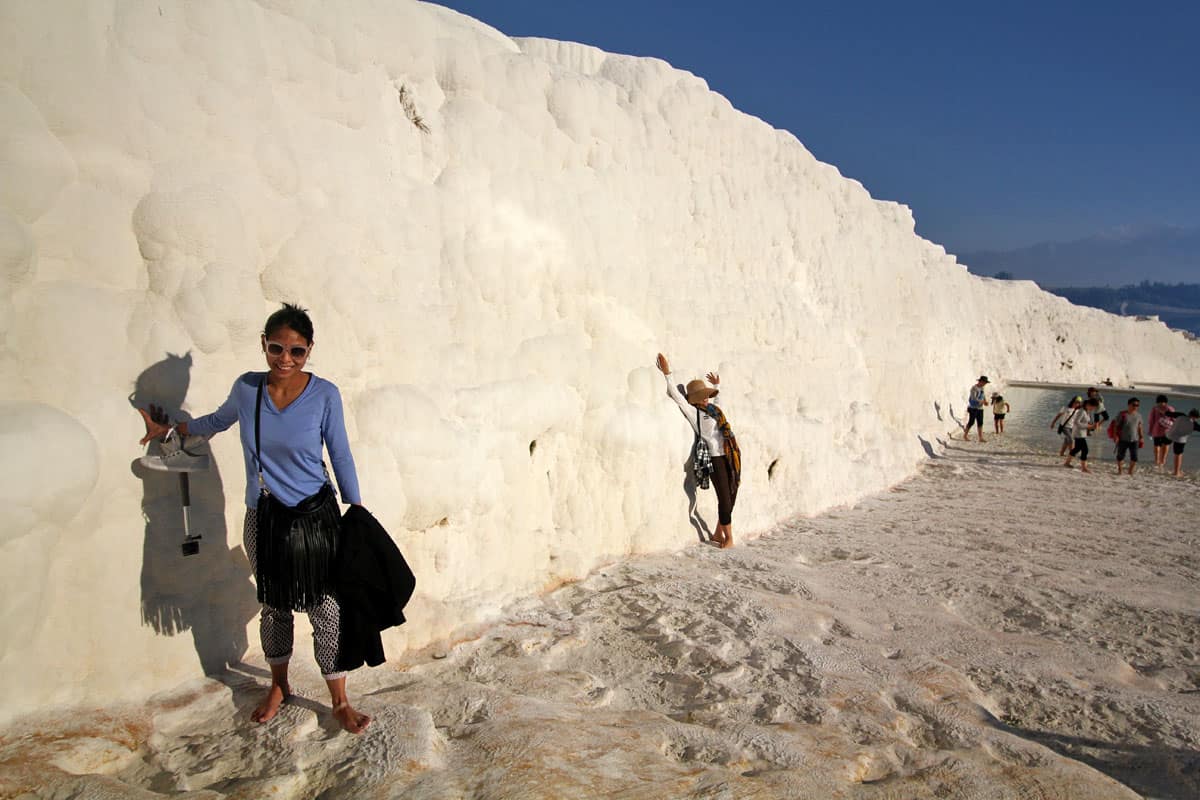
(286, 417)
(712, 430)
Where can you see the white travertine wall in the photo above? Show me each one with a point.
(489, 295)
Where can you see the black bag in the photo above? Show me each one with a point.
(702, 466)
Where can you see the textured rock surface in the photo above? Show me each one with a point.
(494, 238)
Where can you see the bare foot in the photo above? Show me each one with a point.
(727, 542)
(269, 707)
(349, 719)
(1084, 469)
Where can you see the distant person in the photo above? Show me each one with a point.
(1079, 424)
(287, 418)
(709, 424)
(1158, 423)
(1130, 436)
(1181, 428)
(1100, 414)
(1058, 424)
(976, 402)
(1000, 408)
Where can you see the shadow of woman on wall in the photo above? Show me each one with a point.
(209, 593)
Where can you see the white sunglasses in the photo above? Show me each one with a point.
(298, 352)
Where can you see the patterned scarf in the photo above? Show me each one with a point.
(733, 453)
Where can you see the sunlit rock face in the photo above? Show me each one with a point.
(494, 238)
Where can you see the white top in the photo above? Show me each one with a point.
(1061, 417)
(1077, 422)
(708, 426)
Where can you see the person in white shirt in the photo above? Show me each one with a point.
(1077, 425)
(709, 424)
(1063, 413)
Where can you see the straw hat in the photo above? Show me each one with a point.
(698, 390)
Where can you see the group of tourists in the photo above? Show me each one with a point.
(1076, 421)
(1169, 430)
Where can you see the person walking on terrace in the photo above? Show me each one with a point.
(1158, 422)
(1079, 424)
(1064, 413)
(975, 404)
(1130, 435)
(286, 417)
(714, 441)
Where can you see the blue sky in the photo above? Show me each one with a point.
(1001, 126)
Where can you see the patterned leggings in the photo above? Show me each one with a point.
(276, 624)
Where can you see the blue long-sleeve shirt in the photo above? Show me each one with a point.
(292, 465)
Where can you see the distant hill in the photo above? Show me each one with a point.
(1160, 253)
(1178, 304)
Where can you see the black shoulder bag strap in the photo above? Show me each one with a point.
(257, 439)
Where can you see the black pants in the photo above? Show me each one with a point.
(975, 417)
(726, 488)
(1080, 449)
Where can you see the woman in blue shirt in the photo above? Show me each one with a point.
(294, 413)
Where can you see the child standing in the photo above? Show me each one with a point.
(999, 412)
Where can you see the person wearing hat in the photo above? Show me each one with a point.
(1065, 414)
(708, 422)
(975, 404)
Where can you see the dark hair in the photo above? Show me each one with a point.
(1091, 401)
(1093, 389)
(1195, 412)
(1134, 400)
(290, 316)
(1162, 398)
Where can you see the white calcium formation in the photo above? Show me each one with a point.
(494, 238)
